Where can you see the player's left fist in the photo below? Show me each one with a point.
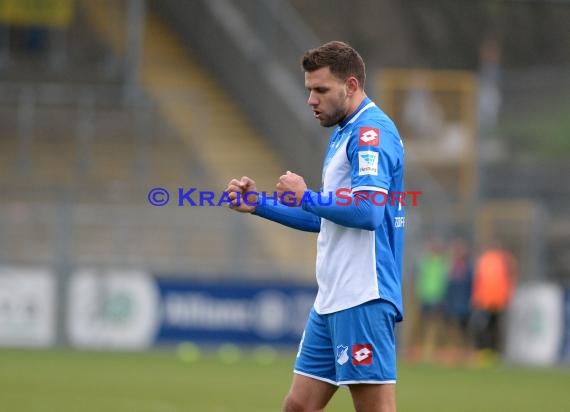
(290, 188)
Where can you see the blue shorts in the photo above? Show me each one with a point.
(355, 345)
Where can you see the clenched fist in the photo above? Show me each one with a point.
(291, 188)
(241, 193)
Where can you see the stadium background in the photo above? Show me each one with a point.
(102, 101)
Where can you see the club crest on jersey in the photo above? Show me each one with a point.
(341, 354)
(368, 136)
(367, 163)
(362, 354)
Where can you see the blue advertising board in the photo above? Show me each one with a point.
(231, 311)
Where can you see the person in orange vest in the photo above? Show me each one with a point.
(493, 287)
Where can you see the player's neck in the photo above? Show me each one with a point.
(354, 103)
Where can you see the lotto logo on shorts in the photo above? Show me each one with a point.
(362, 354)
(368, 136)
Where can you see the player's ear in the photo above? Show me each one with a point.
(351, 85)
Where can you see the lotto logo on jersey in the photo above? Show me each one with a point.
(367, 163)
(362, 354)
(368, 136)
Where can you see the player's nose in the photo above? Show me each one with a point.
(312, 101)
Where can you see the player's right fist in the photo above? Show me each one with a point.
(243, 194)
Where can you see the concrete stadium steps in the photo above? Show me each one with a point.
(166, 239)
(58, 161)
(27, 230)
(107, 19)
(83, 195)
(216, 129)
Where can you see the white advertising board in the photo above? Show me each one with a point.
(535, 324)
(112, 309)
(27, 307)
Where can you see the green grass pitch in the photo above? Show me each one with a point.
(159, 381)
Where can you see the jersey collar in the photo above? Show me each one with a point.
(366, 103)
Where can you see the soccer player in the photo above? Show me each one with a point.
(349, 338)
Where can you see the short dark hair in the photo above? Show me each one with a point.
(342, 60)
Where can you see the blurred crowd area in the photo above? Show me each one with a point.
(100, 102)
(461, 295)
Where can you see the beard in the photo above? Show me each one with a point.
(337, 113)
(334, 118)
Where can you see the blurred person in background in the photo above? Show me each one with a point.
(493, 287)
(489, 101)
(349, 338)
(458, 296)
(422, 115)
(431, 279)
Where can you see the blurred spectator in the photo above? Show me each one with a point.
(489, 84)
(422, 115)
(431, 283)
(493, 286)
(458, 296)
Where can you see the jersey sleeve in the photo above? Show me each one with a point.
(294, 217)
(361, 213)
(371, 158)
